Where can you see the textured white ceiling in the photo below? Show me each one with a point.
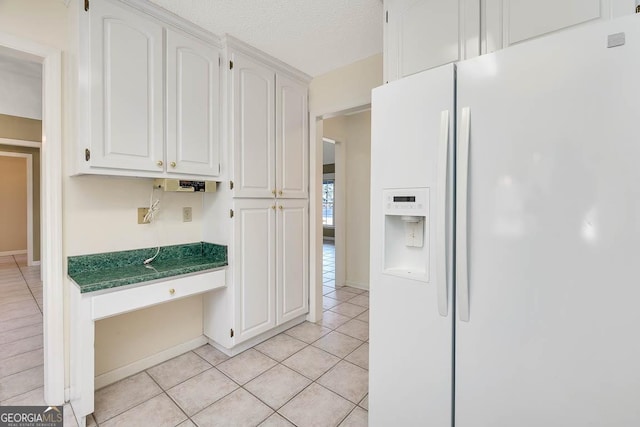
(314, 36)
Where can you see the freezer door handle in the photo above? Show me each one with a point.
(462, 278)
(441, 215)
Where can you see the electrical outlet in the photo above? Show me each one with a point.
(141, 214)
(186, 215)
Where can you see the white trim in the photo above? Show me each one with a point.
(20, 143)
(51, 212)
(239, 46)
(328, 140)
(118, 374)
(29, 159)
(168, 18)
(315, 201)
(358, 285)
(9, 253)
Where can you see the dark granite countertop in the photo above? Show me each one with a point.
(97, 272)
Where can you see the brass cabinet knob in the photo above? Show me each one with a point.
(273, 207)
(280, 192)
(173, 164)
(159, 163)
(273, 191)
(172, 291)
(280, 207)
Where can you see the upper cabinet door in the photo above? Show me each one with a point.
(418, 35)
(126, 89)
(513, 21)
(253, 119)
(292, 139)
(193, 96)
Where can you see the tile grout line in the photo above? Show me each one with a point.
(26, 284)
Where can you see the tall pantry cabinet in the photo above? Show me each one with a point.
(266, 200)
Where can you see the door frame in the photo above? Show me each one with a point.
(29, 159)
(315, 205)
(51, 209)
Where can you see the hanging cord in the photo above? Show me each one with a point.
(154, 208)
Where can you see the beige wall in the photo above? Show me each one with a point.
(346, 87)
(12, 127)
(358, 189)
(99, 213)
(13, 204)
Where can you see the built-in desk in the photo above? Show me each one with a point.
(109, 284)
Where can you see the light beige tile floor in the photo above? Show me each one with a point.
(21, 344)
(310, 375)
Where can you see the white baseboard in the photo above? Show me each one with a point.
(260, 338)
(34, 263)
(140, 365)
(358, 285)
(7, 253)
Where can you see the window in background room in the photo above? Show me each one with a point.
(328, 191)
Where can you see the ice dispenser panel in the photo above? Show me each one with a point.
(406, 234)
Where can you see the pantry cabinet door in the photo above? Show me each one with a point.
(292, 139)
(253, 116)
(254, 267)
(292, 259)
(193, 96)
(126, 89)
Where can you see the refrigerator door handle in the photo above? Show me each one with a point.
(462, 278)
(441, 216)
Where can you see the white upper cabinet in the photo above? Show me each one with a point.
(149, 93)
(193, 86)
(422, 34)
(419, 34)
(513, 21)
(126, 89)
(269, 125)
(292, 139)
(253, 106)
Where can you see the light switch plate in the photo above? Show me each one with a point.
(186, 214)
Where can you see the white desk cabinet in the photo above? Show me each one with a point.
(92, 306)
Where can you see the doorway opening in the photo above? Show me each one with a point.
(340, 187)
(328, 214)
(49, 280)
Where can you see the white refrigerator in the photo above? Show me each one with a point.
(520, 308)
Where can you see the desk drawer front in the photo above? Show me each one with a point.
(122, 301)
